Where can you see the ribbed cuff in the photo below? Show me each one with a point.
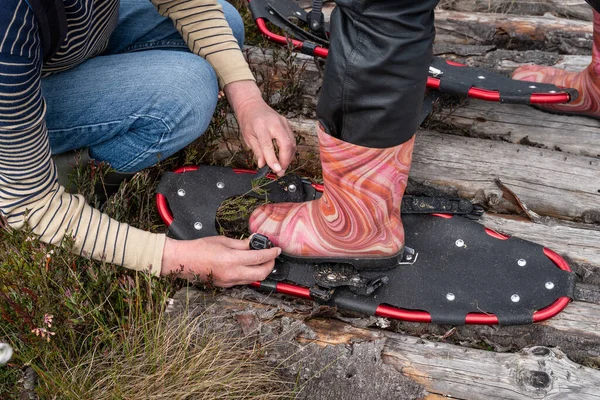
(230, 66)
(144, 251)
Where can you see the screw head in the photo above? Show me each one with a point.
(450, 297)
(198, 226)
(181, 192)
(522, 262)
(549, 285)
(292, 188)
(331, 277)
(460, 243)
(220, 185)
(515, 298)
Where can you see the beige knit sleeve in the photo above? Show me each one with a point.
(95, 234)
(203, 26)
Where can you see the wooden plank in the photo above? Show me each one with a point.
(551, 183)
(292, 331)
(578, 9)
(534, 373)
(520, 124)
(512, 32)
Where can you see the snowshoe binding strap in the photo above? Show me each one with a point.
(444, 76)
(188, 198)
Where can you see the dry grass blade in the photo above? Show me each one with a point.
(179, 358)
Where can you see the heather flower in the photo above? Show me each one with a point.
(48, 320)
(43, 333)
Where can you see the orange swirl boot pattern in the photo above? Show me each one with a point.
(587, 82)
(358, 215)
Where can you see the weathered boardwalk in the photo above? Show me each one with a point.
(550, 162)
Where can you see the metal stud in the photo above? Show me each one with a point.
(450, 296)
(274, 271)
(198, 226)
(515, 298)
(220, 185)
(331, 277)
(532, 87)
(549, 285)
(292, 188)
(460, 243)
(181, 192)
(522, 262)
(355, 279)
(409, 257)
(552, 91)
(481, 77)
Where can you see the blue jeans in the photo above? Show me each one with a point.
(142, 100)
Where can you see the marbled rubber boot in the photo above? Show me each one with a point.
(587, 82)
(358, 216)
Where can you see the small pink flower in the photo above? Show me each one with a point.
(43, 333)
(48, 320)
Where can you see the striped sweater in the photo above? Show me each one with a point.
(29, 191)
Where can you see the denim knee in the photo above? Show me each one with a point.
(234, 19)
(179, 107)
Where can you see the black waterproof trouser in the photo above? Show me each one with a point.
(376, 70)
(595, 4)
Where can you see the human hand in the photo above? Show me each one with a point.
(223, 261)
(260, 125)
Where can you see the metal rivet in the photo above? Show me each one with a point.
(274, 271)
(271, 12)
(298, 13)
(515, 298)
(460, 243)
(552, 91)
(331, 277)
(198, 226)
(292, 188)
(220, 185)
(549, 285)
(181, 192)
(532, 87)
(409, 257)
(481, 77)
(522, 262)
(450, 296)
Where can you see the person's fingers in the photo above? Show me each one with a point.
(268, 151)
(287, 144)
(255, 146)
(255, 257)
(236, 244)
(255, 273)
